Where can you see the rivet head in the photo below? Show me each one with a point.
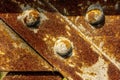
(63, 47)
(94, 14)
(31, 17)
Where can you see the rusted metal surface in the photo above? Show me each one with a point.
(16, 55)
(91, 58)
(43, 41)
(105, 38)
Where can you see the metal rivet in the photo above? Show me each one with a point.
(95, 15)
(63, 47)
(31, 18)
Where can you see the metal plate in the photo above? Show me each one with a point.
(16, 55)
(105, 39)
(87, 62)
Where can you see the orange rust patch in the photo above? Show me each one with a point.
(113, 72)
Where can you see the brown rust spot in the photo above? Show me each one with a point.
(84, 52)
(113, 73)
(112, 46)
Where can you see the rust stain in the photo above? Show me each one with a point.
(45, 48)
(85, 63)
(16, 55)
(105, 38)
(113, 73)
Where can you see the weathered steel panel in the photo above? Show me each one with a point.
(16, 55)
(95, 51)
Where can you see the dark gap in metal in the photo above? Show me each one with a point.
(35, 73)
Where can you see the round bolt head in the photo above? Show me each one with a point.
(94, 14)
(63, 47)
(31, 17)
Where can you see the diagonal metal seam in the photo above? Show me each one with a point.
(29, 44)
(82, 35)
